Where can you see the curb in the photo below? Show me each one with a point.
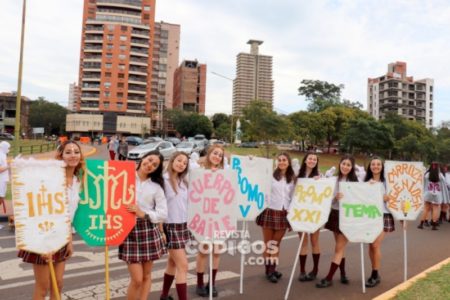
(405, 285)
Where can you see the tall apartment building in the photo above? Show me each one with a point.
(253, 78)
(73, 96)
(115, 68)
(189, 88)
(398, 93)
(166, 48)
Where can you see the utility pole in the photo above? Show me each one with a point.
(231, 116)
(19, 85)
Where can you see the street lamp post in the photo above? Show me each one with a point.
(19, 85)
(231, 116)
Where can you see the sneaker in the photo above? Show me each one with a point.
(302, 277)
(324, 283)
(372, 282)
(201, 291)
(215, 293)
(272, 277)
(344, 279)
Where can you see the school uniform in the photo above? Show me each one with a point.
(4, 176)
(436, 192)
(61, 254)
(388, 219)
(175, 228)
(144, 242)
(275, 215)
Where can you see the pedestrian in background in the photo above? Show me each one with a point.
(123, 149)
(4, 173)
(112, 148)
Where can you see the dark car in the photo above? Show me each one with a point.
(133, 140)
(249, 145)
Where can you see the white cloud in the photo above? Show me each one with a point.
(339, 41)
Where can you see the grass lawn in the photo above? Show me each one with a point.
(32, 146)
(435, 286)
(326, 160)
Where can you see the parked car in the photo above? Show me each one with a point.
(249, 145)
(165, 148)
(187, 147)
(174, 140)
(133, 140)
(152, 139)
(6, 136)
(200, 138)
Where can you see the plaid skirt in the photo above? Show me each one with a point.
(388, 221)
(144, 243)
(273, 219)
(333, 221)
(34, 258)
(177, 235)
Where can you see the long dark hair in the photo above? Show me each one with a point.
(314, 171)
(369, 173)
(433, 172)
(351, 175)
(290, 175)
(155, 176)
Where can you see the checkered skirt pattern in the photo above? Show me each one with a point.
(177, 235)
(389, 224)
(34, 258)
(144, 243)
(273, 219)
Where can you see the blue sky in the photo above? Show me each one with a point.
(337, 41)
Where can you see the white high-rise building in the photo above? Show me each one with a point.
(397, 93)
(73, 95)
(253, 78)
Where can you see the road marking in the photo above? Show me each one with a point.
(14, 249)
(7, 237)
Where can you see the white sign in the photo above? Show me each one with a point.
(40, 204)
(254, 177)
(404, 184)
(311, 204)
(38, 130)
(212, 213)
(361, 211)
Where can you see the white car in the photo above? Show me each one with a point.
(165, 148)
(187, 147)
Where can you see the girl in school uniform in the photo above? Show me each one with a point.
(375, 173)
(346, 173)
(435, 193)
(273, 219)
(309, 169)
(175, 228)
(70, 153)
(214, 160)
(145, 243)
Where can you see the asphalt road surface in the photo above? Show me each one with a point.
(84, 276)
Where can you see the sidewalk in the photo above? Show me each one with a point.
(87, 150)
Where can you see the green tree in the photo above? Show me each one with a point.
(265, 125)
(307, 128)
(49, 115)
(189, 124)
(320, 94)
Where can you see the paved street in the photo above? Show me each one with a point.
(84, 277)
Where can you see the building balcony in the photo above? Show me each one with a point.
(136, 99)
(140, 33)
(91, 77)
(94, 29)
(139, 52)
(118, 19)
(116, 11)
(138, 71)
(90, 87)
(134, 4)
(139, 62)
(139, 43)
(83, 108)
(91, 48)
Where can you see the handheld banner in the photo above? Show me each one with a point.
(41, 208)
(404, 184)
(212, 213)
(311, 204)
(254, 183)
(361, 211)
(101, 218)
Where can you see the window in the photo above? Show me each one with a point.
(146, 17)
(120, 84)
(107, 84)
(110, 37)
(109, 46)
(121, 75)
(108, 66)
(108, 74)
(123, 28)
(106, 94)
(146, 8)
(123, 37)
(120, 95)
(123, 47)
(119, 105)
(108, 55)
(106, 104)
(121, 67)
(122, 56)
(110, 27)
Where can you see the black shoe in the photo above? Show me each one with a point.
(324, 283)
(372, 282)
(278, 275)
(272, 277)
(426, 223)
(420, 225)
(311, 276)
(215, 293)
(201, 291)
(166, 298)
(344, 279)
(302, 277)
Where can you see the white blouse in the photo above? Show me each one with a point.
(177, 203)
(73, 197)
(281, 194)
(151, 199)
